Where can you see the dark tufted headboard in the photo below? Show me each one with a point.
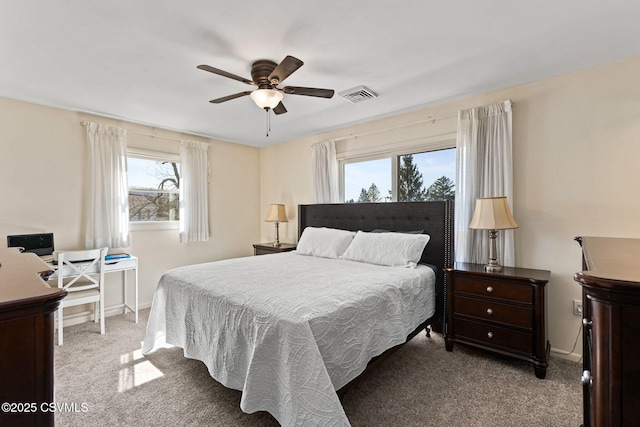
(435, 218)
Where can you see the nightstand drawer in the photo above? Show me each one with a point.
(268, 248)
(265, 250)
(495, 336)
(521, 317)
(494, 289)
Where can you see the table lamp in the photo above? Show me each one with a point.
(493, 214)
(277, 214)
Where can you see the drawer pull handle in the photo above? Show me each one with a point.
(489, 289)
(490, 335)
(586, 322)
(586, 378)
(489, 311)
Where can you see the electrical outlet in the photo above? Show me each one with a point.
(577, 307)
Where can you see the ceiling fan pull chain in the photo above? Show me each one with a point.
(268, 122)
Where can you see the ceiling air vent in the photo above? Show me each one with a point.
(358, 94)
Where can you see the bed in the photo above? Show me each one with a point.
(291, 330)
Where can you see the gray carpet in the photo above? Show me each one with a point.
(420, 385)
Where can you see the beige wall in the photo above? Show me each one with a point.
(42, 166)
(575, 153)
(576, 145)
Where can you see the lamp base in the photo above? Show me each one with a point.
(276, 243)
(493, 268)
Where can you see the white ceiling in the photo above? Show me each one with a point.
(136, 59)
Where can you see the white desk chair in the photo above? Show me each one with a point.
(82, 287)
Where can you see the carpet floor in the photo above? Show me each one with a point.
(110, 383)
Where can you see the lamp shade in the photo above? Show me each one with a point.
(492, 213)
(266, 98)
(277, 213)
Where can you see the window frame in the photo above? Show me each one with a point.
(154, 156)
(393, 153)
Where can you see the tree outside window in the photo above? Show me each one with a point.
(411, 188)
(154, 188)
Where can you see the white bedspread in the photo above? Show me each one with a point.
(288, 329)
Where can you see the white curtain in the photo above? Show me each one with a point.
(484, 169)
(194, 192)
(106, 187)
(325, 172)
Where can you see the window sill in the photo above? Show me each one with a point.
(153, 225)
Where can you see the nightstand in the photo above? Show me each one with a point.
(268, 248)
(501, 312)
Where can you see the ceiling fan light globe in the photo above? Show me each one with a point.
(266, 98)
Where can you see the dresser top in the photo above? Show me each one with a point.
(507, 272)
(20, 281)
(611, 258)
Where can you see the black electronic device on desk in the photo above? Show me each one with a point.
(40, 244)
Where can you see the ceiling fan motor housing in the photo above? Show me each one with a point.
(260, 71)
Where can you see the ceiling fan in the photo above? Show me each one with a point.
(267, 75)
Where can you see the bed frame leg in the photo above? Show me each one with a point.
(428, 331)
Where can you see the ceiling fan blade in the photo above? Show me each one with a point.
(224, 74)
(308, 91)
(230, 97)
(280, 108)
(284, 69)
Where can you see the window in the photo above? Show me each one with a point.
(427, 176)
(367, 181)
(154, 188)
(412, 177)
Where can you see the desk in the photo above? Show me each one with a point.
(112, 266)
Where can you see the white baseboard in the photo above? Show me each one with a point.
(87, 316)
(144, 306)
(560, 354)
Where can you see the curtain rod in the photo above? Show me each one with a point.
(133, 132)
(431, 119)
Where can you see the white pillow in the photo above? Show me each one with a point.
(324, 242)
(392, 249)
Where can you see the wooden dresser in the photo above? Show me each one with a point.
(610, 283)
(502, 312)
(27, 305)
